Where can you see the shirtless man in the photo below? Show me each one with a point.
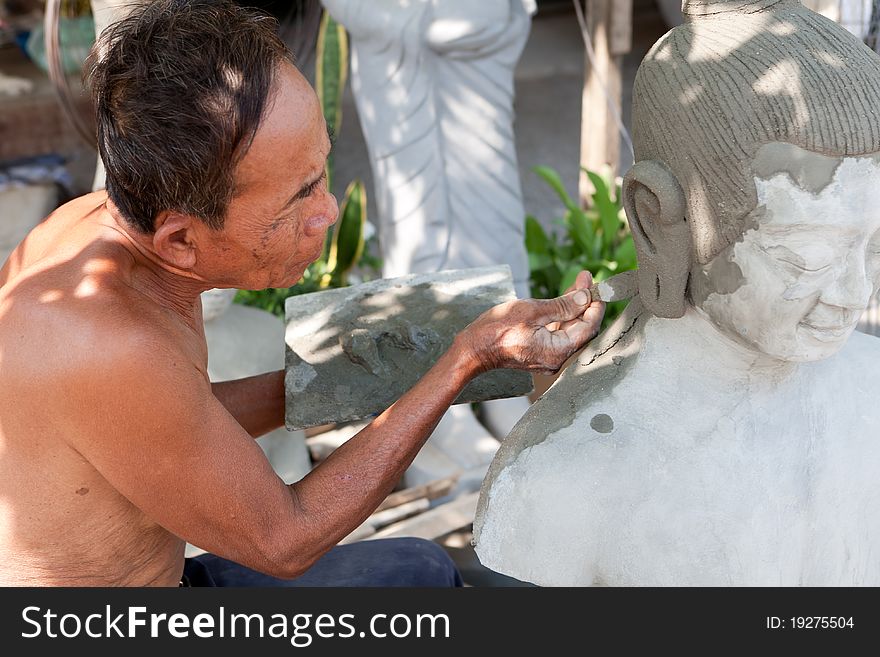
(115, 448)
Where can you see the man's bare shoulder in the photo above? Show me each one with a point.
(67, 324)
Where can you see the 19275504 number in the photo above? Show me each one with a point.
(810, 623)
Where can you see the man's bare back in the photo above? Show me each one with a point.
(71, 278)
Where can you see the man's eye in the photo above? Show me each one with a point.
(315, 185)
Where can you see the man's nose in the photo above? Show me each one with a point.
(852, 288)
(333, 208)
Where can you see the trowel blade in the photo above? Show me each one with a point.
(617, 288)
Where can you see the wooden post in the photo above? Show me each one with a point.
(609, 23)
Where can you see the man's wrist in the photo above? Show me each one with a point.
(467, 362)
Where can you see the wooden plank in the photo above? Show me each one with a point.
(430, 491)
(621, 27)
(603, 89)
(401, 512)
(437, 522)
(401, 505)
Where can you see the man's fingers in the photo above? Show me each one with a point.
(561, 309)
(580, 332)
(594, 313)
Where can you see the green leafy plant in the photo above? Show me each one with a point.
(596, 238)
(346, 245)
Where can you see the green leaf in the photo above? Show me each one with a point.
(582, 230)
(331, 72)
(626, 255)
(539, 261)
(348, 238)
(596, 239)
(600, 187)
(606, 207)
(597, 247)
(536, 239)
(552, 178)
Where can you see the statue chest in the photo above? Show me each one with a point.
(758, 496)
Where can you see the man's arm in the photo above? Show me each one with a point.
(147, 420)
(256, 402)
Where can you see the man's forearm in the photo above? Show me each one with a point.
(340, 493)
(257, 402)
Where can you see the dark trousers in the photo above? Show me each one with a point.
(382, 562)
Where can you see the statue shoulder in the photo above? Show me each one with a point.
(590, 379)
(861, 355)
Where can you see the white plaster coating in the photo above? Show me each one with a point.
(500, 415)
(433, 83)
(745, 444)
(811, 267)
(717, 472)
(216, 302)
(463, 439)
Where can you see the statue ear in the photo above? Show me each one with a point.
(655, 206)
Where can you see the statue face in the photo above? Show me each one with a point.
(797, 283)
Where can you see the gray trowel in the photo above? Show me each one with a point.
(617, 288)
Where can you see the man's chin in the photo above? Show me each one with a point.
(291, 280)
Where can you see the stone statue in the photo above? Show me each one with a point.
(854, 15)
(725, 431)
(433, 83)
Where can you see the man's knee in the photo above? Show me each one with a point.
(422, 563)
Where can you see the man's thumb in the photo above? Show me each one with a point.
(566, 307)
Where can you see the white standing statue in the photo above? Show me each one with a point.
(725, 431)
(433, 84)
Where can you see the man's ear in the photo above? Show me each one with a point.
(655, 206)
(174, 239)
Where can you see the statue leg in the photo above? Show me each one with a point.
(500, 415)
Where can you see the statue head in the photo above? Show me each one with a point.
(755, 192)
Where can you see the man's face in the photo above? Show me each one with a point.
(796, 285)
(278, 219)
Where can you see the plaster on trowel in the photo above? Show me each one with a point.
(617, 288)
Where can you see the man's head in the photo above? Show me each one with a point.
(744, 92)
(213, 142)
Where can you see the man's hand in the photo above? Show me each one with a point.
(535, 335)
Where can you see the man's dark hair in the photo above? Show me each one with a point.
(179, 89)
